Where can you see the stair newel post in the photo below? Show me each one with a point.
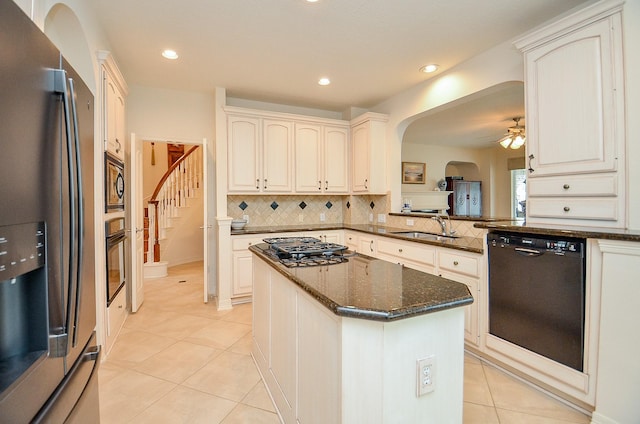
(156, 235)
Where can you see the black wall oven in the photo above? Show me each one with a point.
(115, 265)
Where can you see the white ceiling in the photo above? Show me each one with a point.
(276, 50)
(476, 121)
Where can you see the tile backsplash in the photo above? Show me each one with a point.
(267, 210)
(270, 210)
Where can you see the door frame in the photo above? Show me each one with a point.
(136, 275)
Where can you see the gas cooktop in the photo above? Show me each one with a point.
(306, 251)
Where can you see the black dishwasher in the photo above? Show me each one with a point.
(537, 294)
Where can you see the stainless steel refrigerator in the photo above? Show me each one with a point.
(48, 353)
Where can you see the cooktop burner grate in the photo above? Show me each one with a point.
(306, 251)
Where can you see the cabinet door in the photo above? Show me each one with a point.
(244, 152)
(308, 143)
(360, 157)
(242, 273)
(114, 127)
(572, 101)
(367, 246)
(336, 159)
(277, 148)
(471, 324)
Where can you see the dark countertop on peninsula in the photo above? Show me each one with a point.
(567, 231)
(373, 289)
(469, 244)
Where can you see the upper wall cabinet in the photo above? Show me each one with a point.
(368, 154)
(272, 152)
(575, 118)
(114, 91)
(260, 154)
(321, 158)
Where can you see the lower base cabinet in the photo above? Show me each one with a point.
(116, 315)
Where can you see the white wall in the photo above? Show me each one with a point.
(500, 64)
(492, 167)
(184, 116)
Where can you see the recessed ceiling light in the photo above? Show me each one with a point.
(324, 81)
(429, 68)
(170, 54)
(312, 1)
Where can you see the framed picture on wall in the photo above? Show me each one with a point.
(413, 173)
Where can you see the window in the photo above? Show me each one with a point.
(518, 193)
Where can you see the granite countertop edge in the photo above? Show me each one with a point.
(468, 244)
(566, 231)
(349, 311)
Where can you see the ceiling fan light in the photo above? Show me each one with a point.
(517, 142)
(505, 142)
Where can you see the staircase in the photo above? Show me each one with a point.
(179, 184)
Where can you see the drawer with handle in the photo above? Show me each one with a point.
(575, 185)
(456, 262)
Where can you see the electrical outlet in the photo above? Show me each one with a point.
(425, 375)
(409, 222)
(382, 218)
(370, 217)
(246, 217)
(300, 217)
(322, 217)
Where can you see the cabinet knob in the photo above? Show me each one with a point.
(566, 208)
(326, 185)
(455, 263)
(265, 183)
(566, 186)
(258, 183)
(400, 250)
(366, 184)
(319, 185)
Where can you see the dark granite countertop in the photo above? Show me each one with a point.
(568, 231)
(373, 289)
(469, 244)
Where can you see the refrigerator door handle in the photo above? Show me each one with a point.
(61, 345)
(79, 236)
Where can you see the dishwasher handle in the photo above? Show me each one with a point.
(527, 252)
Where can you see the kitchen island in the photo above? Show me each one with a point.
(341, 343)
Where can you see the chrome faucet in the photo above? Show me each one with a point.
(443, 224)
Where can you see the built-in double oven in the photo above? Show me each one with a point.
(116, 237)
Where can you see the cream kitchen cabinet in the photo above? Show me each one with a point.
(368, 154)
(260, 154)
(465, 268)
(116, 315)
(321, 158)
(412, 255)
(575, 119)
(351, 240)
(241, 268)
(114, 91)
(331, 236)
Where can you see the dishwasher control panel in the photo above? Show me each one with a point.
(546, 243)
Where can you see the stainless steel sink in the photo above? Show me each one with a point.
(421, 235)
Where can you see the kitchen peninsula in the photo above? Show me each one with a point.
(341, 343)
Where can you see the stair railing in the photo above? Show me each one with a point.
(177, 185)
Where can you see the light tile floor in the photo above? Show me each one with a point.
(178, 360)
